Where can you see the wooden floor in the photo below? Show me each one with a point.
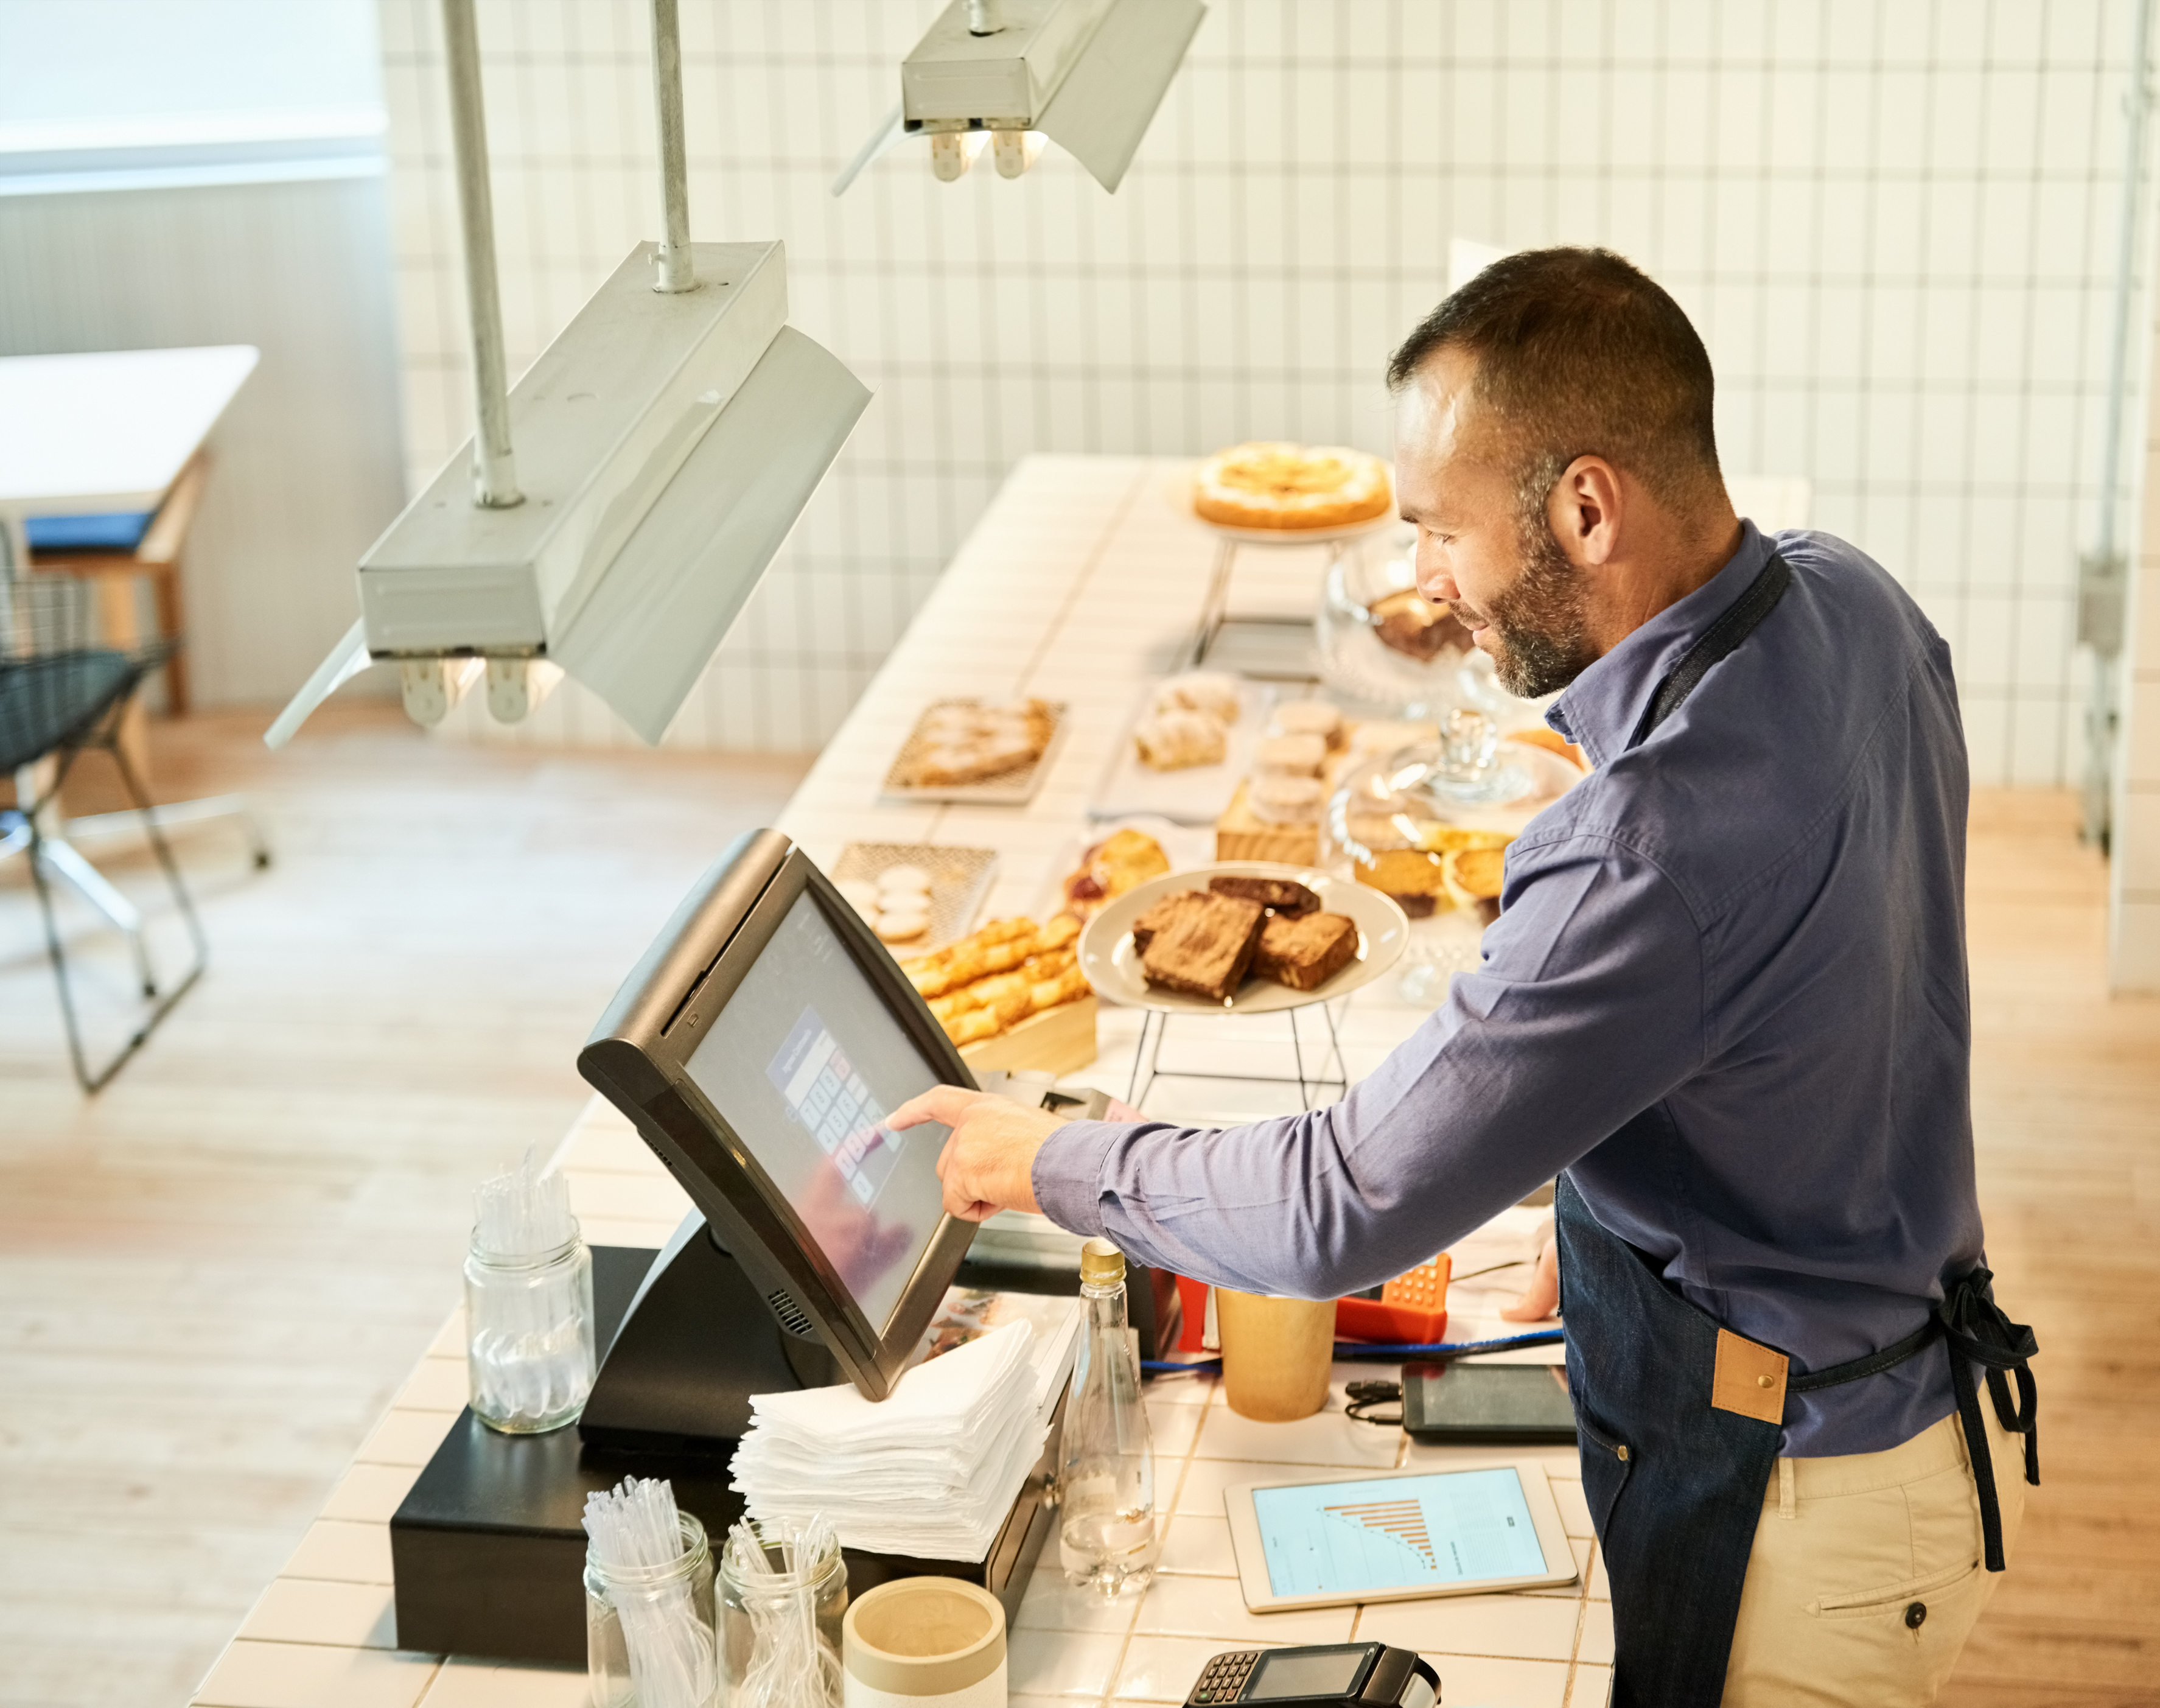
(212, 1276)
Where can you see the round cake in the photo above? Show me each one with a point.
(1291, 487)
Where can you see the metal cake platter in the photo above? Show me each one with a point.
(1113, 966)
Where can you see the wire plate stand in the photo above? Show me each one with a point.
(1328, 1075)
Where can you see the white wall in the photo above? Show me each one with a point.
(308, 460)
(1893, 222)
(178, 172)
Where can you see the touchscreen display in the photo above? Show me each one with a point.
(1397, 1533)
(1327, 1672)
(805, 1061)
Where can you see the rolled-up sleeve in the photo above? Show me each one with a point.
(1588, 1008)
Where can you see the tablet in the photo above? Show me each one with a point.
(1397, 1536)
(1456, 1405)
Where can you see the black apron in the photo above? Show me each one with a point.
(1680, 1419)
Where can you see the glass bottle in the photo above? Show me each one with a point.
(529, 1335)
(671, 1608)
(1108, 1536)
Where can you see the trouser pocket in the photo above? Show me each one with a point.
(1606, 1461)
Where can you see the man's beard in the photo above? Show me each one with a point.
(1539, 622)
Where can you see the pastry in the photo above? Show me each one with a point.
(1409, 624)
(1410, 876)
(902, 925)
(1206, 947)
(990, 981)
(1153, 919)
(1473, 877)
(1270, 484)
(1175, 740)
(1123, 860)
(1289, 756)
(1305, 951)
(1283, 896)
(1285, 800)
(1209, 691)
(859, 895)
(1383, 735)
(1309, 717)
(902, 880)
(969, 741)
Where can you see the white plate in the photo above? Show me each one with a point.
(1009, 788)
(1113, 966)
(1301, 535)
(1196, 794)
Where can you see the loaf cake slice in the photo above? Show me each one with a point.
(1305, 951)
(1283, 894)
(1205, 948)
(1154, 919)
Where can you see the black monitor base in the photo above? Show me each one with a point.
(487, 1551)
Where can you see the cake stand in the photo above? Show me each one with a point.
(1112, 965)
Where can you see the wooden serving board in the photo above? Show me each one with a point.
(1061, 1040)
(1241, 836)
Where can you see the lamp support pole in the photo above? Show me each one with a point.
(673, 269)
(2103, 576)
(495, 465)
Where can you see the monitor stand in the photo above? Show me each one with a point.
(487, 1550)
(697, 1341)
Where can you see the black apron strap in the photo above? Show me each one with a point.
(1979, 1333)
(1718, 641)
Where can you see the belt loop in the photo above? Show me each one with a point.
(1789, 1506)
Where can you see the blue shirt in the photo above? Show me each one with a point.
(1727, 990)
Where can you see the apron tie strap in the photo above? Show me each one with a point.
(1978, 1333)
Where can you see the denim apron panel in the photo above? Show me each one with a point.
(1675, 1486)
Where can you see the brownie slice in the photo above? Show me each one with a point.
(1205, 947)
(1305, 951)
(1154, 919)
(1281, 894)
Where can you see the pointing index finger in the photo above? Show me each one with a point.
(945, 1104)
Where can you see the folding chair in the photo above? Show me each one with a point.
(62, 697)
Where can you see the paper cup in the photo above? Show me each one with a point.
(1276, 1354)
(924, 1642)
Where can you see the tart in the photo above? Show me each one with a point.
(1275, 485)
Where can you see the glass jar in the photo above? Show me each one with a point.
(649, 1632)
(764, 1617)
(529, 1335)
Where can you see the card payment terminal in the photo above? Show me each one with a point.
(1319, 1675)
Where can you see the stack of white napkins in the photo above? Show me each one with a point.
(931, 1471)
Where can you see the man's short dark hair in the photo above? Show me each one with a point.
(1580, 353)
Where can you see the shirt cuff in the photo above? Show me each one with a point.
(1068, 1171)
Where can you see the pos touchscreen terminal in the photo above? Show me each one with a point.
(759, 1046)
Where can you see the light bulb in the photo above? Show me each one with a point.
(951, 153)
(1015, 151)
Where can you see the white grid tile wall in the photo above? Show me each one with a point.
(1893, 222)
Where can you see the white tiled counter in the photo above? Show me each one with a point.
(1079, 584)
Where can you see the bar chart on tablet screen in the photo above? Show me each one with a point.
(1347, 1537)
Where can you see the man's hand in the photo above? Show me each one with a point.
(1541, 1299)
(987, 1164)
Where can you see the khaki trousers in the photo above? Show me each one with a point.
(1866, 1576)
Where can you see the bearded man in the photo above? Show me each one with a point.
(1725, 1002)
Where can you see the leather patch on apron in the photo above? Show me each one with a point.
(1748, 1380)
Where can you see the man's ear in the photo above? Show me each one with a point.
(1586, 511)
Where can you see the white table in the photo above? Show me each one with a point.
(1078, 584)
(106, 430)
(93, 433)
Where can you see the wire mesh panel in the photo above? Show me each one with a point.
(1893, 222)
